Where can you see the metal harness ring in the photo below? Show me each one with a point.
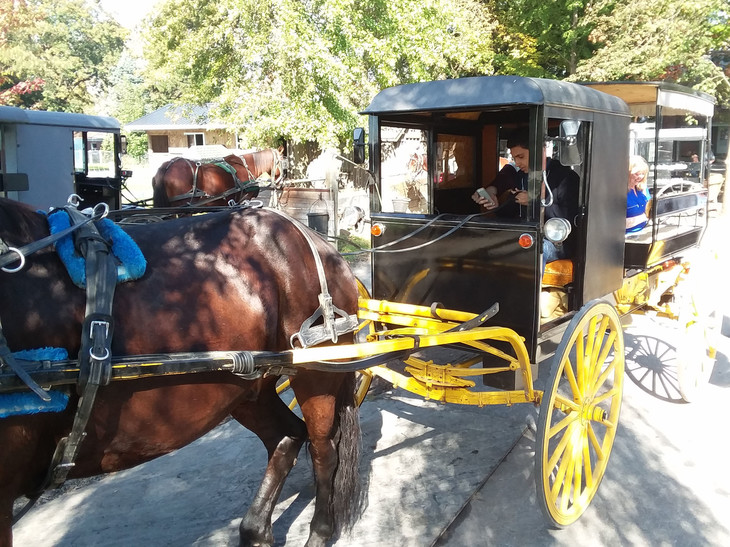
(21, 257)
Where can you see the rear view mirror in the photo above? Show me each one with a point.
(122, 144)
(570, 142)
(358, 153)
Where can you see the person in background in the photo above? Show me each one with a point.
(637, 197)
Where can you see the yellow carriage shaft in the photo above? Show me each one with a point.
(408, 329)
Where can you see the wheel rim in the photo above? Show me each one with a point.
(579, 414)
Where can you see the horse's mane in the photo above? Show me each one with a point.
(20, 223)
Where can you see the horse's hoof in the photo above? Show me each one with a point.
(248, 540)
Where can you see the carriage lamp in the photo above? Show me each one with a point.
(377, 229)
(557, 229)
(526, 241)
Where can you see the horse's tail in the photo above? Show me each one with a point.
(348, 497)
(159, 191)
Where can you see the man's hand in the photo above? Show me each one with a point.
(520, 196)
(484, 202)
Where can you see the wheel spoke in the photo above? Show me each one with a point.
(615, 390)
(603, 377)
(562, 424)
(579, 357)
(590, 337)
(602, 359)
(560, 448)
(578, 472)
(570, 375)
(595, 443)
(587, 461)
(559, 482)
(600, 345)
(568, 481)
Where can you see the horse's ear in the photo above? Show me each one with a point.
(281, 149)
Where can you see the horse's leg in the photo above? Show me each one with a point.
(283, 434)
(322, 408)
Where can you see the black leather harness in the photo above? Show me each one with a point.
(95, 354)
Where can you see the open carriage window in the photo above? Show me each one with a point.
(454, 176)
(404, 170)
(454, 161)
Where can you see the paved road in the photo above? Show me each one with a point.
(667, 482)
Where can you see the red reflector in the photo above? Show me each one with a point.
(377, 229)
(526, 241)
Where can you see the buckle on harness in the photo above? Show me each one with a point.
(99, 351)
(332, 327)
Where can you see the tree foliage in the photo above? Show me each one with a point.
(304, 68)
(668, 40)
(538, 38)
(56, 54)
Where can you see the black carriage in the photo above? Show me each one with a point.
(433, 242)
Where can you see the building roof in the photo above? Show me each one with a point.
(171, 117)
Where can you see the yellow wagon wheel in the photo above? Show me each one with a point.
(579, 413)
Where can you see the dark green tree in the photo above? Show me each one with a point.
(668, 40)
(56, 54)
(538, 38)
(303, 69)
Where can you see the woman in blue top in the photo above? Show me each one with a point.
(637, 198)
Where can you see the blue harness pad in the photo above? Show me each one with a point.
(27, 402)
(131, 263)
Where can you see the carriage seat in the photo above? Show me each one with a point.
(554, 295)
(558, 273)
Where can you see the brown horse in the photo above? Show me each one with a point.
(230, 280)
(181, 181)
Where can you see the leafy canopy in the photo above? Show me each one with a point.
(668, 40)
(56, 54)
(304, 68)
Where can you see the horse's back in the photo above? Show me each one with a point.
(245, 274)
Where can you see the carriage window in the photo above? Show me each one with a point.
(100, 154)
(195, 139)
(79, 152)
(454, 162)
(404, 170)
(159, 144)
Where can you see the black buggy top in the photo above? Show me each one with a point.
(432, 144)
(490, 91)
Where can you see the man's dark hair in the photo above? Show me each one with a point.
(519, 137)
